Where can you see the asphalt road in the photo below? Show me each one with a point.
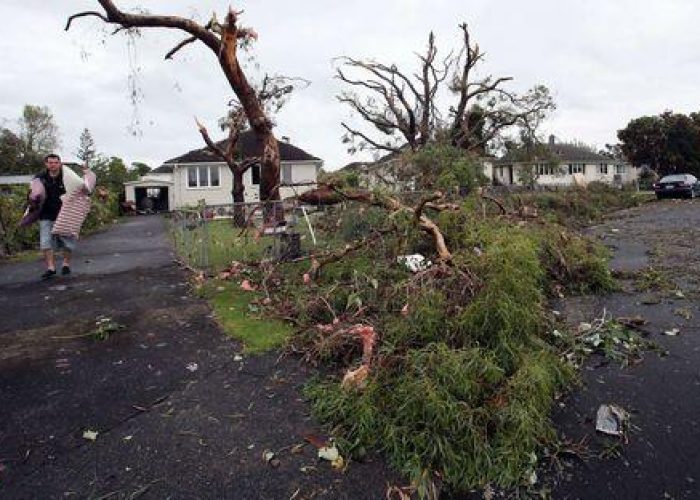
(662, 458)
(176, 414)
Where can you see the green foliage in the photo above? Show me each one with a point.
(582, 206)
(140, 168)
(22, 152)
(667, 143)
(466, 380)
(454, 412)
(12, 204)
(445, 167)
(86, 149)
(112, 173)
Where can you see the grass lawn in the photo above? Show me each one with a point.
(241, 320)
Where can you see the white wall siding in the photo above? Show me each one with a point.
(221, 195)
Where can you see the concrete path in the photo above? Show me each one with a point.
(176, 415)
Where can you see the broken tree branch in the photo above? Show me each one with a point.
(180, 45)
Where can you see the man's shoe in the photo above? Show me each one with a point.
(65, 270)
(50, 273)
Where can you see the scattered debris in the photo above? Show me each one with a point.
(237, 357)
(679, 294)
(331, 454)
(193, 367)
(356, 379)
(414, 263)
(90, 435)
(611, 420)
(270, 458)
(683, 312)
(672, 332)
(246, 286)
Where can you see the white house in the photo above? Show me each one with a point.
(200, 175)
(570, 164)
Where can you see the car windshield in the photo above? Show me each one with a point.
(673, 178)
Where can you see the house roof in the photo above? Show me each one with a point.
(249, 145)
(565, 152)
(163, 169)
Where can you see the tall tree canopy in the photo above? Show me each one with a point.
(38, 130)
(667, 143)
(36, 135)
(403, 106)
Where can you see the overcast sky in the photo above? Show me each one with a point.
(605, 61)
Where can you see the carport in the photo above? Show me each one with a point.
(151, 195)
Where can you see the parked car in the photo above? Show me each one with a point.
(677, 186)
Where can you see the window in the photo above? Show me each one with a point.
(577, 168)
(603, 168)
(255, 174)
(203, 176)
(545, 169)
(286, 174)
(620, 169)
(153, 192)
(191, 177)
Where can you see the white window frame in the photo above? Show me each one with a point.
(603, 168)
(210, 169)
(577, 168)
(620, 169)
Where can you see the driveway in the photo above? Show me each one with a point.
(662, 458)
(177, 413)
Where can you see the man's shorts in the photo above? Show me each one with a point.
(48, 241)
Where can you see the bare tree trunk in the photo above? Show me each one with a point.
(259, 123)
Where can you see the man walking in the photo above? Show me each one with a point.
(48, 190)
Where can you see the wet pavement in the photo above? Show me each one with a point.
(662, 457)
(177, 413)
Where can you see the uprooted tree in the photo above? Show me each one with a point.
(403, 105)
(224, 40)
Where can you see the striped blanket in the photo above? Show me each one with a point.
(75, 207)
(73, 212)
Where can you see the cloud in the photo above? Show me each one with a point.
(606, 62)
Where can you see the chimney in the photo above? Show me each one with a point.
(285, 138)
(552, 140)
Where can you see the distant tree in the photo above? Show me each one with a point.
(403, 106)
(86, 150)
(643, 142)
(112, 173)
(11, 154)
(666, 143)
(38, 131)
(140, 168)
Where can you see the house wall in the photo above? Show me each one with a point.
(301, 173)
(221, 195)
(592, 174)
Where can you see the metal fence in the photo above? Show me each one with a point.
(210, 237)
